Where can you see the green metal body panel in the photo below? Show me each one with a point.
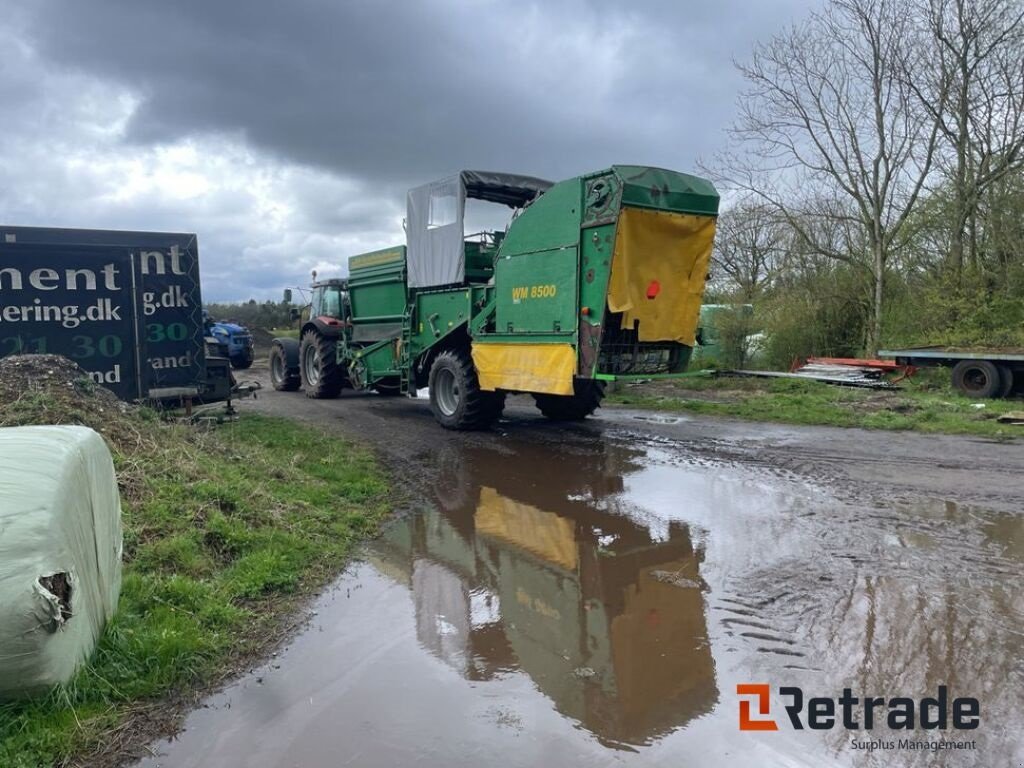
(595, 269)
(376, 285)
(545, 280)
(537, 292)
(437, 314)
(480, 259)
(370, 364)
(552, 221)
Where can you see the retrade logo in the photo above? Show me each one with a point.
(762, 692)
(855, 713)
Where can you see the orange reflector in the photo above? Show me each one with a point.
(585, 311)
(653, 289)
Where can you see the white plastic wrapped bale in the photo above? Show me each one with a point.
(60, 553)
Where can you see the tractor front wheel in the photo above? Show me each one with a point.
(587, 399)
(318, 364)
(455, 395)
(282, 378)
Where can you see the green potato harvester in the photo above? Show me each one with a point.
(597, 278)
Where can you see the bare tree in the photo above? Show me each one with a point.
(749, 244)
(974, 89)
(829, 127)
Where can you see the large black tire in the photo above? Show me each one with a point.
(1007, 379)
(587, 399)
(283, 378)
(977, 378)
(322, 378)
(455, 395)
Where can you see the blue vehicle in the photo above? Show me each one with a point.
(234, 339)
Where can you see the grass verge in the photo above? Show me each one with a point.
(286, 333)
(225, 530)
(924, 404)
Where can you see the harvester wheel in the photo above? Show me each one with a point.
(318, 364)
(587, 399)
(283, 378)
(455, 395)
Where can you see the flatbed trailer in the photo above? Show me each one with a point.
(992, 372)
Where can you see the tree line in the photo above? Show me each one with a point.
(253, 314)
(873, 182)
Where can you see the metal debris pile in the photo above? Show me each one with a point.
(846, 372)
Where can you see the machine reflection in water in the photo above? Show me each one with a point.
(532, 567)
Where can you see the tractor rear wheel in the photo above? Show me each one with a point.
(455, 395)
(318, 364)
(282, 378)
(587, 399)
(977, 378)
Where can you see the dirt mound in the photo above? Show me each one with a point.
(49, 389)
(42, 372)
(262, 338)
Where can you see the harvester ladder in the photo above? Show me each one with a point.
(405, 356)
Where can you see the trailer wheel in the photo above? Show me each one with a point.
(1018, 383)
(1007, 380)
(318, 364)
(576, 407)
(283, 378)
(455, 395)
(977, 378)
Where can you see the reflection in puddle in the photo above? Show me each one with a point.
(607, 621)
(590, 602)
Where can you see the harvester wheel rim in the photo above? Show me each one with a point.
(448, 394)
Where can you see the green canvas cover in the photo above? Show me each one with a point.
(667, 190)
(60, 553)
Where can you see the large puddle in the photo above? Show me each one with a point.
(595, 602)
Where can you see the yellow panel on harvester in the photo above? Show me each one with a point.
(546, 368)
(659, 267)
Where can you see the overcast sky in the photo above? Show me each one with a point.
(286, 133)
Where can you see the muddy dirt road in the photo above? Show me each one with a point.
(593, 594)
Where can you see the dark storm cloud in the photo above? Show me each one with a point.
(285, 133)
(404, 91)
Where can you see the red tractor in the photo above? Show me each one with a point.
(311, 362)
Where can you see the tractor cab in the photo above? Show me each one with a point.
(440, 253)
(329, 300)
